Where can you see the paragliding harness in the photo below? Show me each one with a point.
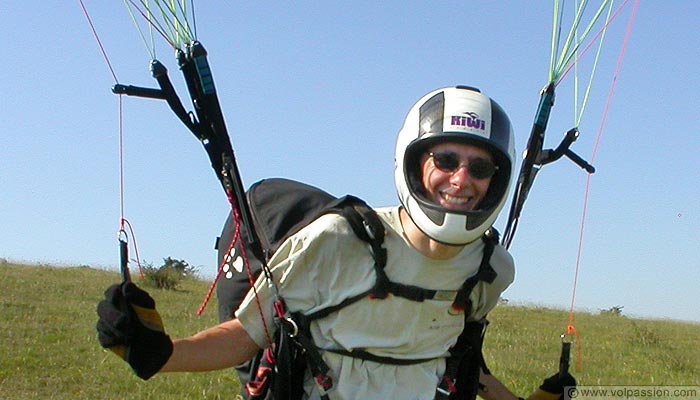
(286, 207)
(279, 209)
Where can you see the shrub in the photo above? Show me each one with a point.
(170, 274)
(615, 310)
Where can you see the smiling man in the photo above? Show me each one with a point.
(453, 166)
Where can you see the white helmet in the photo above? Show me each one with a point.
(462, 115)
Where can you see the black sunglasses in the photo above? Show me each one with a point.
(478, 168)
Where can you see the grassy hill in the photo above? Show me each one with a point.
(49, 347)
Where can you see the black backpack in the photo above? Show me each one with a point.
(280, 208)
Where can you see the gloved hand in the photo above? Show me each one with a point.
(553, 387)
(130, 326)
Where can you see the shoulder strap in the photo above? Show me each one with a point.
(466, 359)
(485, 273)
(368, 227)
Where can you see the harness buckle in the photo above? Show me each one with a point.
(293, 325)
(447, 386)
(324, 382)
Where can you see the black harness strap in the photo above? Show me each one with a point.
(365, 355)
(368, 227)
(461, 378)
(466, 360)
(469, 341)
(485, 273)
(366, 224)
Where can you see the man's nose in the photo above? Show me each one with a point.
(460, 176)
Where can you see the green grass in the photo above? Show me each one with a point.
(49, 347)
(523, 346)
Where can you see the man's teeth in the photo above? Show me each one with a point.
(455, 199)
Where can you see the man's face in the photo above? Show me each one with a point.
(447, 179)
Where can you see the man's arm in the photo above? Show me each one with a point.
(223, 346)
(494, 389)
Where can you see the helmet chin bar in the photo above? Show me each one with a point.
(455, 229)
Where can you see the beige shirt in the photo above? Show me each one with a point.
(325, 263)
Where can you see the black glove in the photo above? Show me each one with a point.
(130, 326)
(556, 383)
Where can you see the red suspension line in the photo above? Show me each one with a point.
(571, 330)
(123, 222)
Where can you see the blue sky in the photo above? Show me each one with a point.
(317, 92)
